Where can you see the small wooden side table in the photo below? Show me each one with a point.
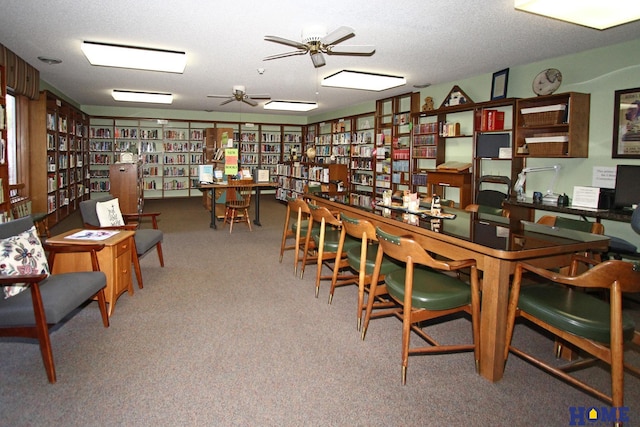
(115, 261)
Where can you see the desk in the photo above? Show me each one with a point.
(496, 243)
(114, 259)
(256, 185)
(525, 210)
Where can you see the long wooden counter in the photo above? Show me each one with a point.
(496, 243)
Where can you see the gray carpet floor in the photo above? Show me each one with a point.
(226, 335)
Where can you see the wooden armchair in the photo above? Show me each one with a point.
(145, 239)
(49, 298)
(593, 325)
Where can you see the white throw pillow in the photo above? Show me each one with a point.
(22, 255)
(109, 213)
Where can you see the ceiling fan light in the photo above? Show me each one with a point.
(596, 14)
(362, 80)
(291, 105)
(147, 97)
(139, 58)
(318, 59)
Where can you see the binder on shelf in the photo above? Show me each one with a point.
(489, 144)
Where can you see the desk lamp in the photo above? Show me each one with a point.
(549, 197)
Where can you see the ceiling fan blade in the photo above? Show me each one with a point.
(227, 101)
(365, 50)
(217, 96)
(284, 55)
(337, 35)
(288, 42)
(259, 96)
(249, 101)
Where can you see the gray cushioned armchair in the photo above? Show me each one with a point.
(48, 299)
(145, 239)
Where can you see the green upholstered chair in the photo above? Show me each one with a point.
(296, 223)
(48, 299)
(591, 324)
(362, 259)
(326, 241)
(145, 239)
(424, 292)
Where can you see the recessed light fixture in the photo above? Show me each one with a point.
(150, 97)
(50, 61)
(362, 80)
(139, 58)
(596, 14)
(290, 105)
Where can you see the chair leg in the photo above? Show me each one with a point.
(233, 219)
(136, 268)
(246, 215)
(102, 303)
(160, 256)
(42, 332)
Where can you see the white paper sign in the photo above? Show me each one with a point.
(585, 197)
(604, 177)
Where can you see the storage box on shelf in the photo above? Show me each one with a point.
(553, 126)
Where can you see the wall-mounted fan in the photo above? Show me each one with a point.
(316, 41)
(239, 94)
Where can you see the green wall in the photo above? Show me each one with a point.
(599, 72)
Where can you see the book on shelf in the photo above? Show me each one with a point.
(491, 120)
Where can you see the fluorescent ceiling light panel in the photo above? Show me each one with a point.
(598, 14)
(362, 80)
(290, 105)
(139, 58)
(150, 97)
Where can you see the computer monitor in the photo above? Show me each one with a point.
(627, 188)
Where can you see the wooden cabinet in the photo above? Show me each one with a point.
(115, 261)
(58, 157)
(553, 126)
(5, 205)
(126, 184)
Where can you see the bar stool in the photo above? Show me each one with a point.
(425, 293)
(362, 259)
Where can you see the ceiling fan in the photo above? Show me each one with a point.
(239, 94)
(316, 41)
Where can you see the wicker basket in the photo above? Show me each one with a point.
(544, 118)
(547, 149)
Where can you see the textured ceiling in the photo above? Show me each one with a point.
(425, 41)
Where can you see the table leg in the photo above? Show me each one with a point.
(213, 209)
(493, 317)
(256, 221)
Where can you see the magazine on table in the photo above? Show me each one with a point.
(92, 234)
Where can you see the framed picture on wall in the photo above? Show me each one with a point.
(499, 84)
(626, 124)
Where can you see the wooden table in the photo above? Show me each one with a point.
(256, 185)
(437, 179)
(496, 243)
(115, 261)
